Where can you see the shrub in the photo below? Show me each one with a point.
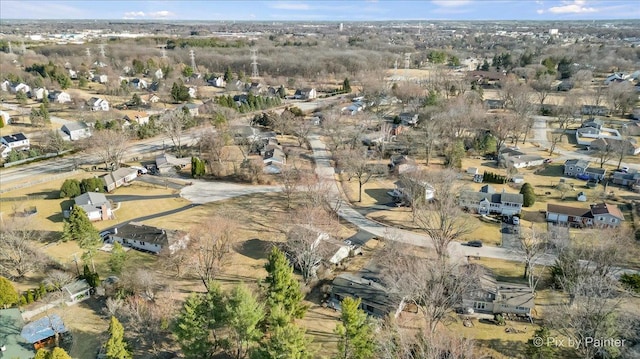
(70, 188)
(29, 297)
(631, 282)
(528, 195)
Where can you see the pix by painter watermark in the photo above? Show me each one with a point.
(577, 344)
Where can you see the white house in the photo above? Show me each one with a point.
(194, 109)
(217, 82)
(21, 87)
(103, 79)
(16, 141)
(150, 239)
(98, 104)
(487, 201)
(307, 93)
(95, 205)
(406, 185)
(39, 93)
(76, 292)
(491, 296)
(139, 84)
(73, 74)
(59, 97)
(193, 92)
(76, 130)
(158, 74)
(149, 98)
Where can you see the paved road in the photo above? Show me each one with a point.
(206, 191)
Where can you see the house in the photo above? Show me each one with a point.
(98, 104)
(158, 74)
(102, 79)
(631, 129)
(76, 130)
(486, 77)
(405, 187)
(138, 117)
(616, 77)
(20, 87)
(149, 98)
(487, 201)
(330, 251)
(12, 343)
(307, 93)
(367, 285)
(574, 167)
(491, 296)
(602, 214)
(42, 332)
(408, 118)
(5, 118)
(150, 239)
(139, 84)
(194, 110)
(255, 88)
(167, 163)
(39, 93)
(217, 82)
(17, 141)
(73, 74)
(99, 63)
(517, 159)
(595, 123)
(95, 205)
(399, 164)
(631, 179)
(119, 177)
(59, 97)
(628, 144)
(76, 292)
(5, 85)
(494, 104)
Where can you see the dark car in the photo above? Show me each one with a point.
(477, 244)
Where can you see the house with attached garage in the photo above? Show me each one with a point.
(76, 130)
(39, 93)
(135, 117)
(98, 104)
(150, 239)
(489, 295)
(17, 141)
(307, 93)
(630, 179)
(95, 205)
(598, 215)
(580, 169)
(628, 145)
(119, 177)
(59, 97)
(20, 87)
(488, 201)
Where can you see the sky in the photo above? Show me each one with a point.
(323, 10)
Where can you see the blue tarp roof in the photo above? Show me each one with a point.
(43, 328)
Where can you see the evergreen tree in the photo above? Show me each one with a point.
(346, 86)
(282, 92)
(198, 168)
(79, 228)
(228, 75)
(115, 347)
(528, 195)
(179, 92)
(8, 293)
(285, 342)
(70, 188)
(244, 313)
(538, 347)
(187, 71)
(356, 335)
(283, 289)
(82, 81)
(42, 354)
(117, 258)
(135, 100)
(59, 353)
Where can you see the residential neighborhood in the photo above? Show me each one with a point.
(362, 179)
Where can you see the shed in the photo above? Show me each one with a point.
(42, 331)
(13, 344)
(77, 291)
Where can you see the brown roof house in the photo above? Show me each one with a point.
(150, 239)
(491, 296)
(600, 215)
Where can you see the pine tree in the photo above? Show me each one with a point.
(538, 347)
(70, 188)
(356, 335)
(117, 258)
(228, 75)
(285, 342)
(58, 353)
(115, 347)
(283, 289)
(244, 314)
(528, 195)
(8, 293)
(346, 86)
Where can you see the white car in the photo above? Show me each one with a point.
(516, 220)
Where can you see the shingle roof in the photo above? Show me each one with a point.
(75, 126)
(14, 137)
(15, 345)
(571, 211)
(605, 208)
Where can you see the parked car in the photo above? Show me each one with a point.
(583, 176)
(548, 160)
(515, 220)
(625, 169)
(477, 244)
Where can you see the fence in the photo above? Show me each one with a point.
(31, 183)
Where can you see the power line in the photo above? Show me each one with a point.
(254, 64)
(192, 54)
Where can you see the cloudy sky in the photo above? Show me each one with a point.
(321, 10)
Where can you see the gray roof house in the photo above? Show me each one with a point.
(150, 239)
(119, 177)
(487, 201)
(76, 130)
(12, 343)
(574, 167)
(167, 163)
(96, 205)
(492, 296)
(376, 299)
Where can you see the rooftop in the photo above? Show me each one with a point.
(11, 324)
(605, 208)
(571, 211)
(147, 234)
(43, 328)
(14, 137)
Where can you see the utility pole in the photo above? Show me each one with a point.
(192, 54)
(10, 49)
(254, 64)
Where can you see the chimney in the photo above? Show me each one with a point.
(104, 212)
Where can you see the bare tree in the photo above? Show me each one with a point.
(173, 124)
(582, 78)
(141, 282)
(604, 153)
(334, 129)
(442, 219)
(565, 116)
(435, 287)
(18, 255)
(209, 246)
(543, 86)
(533, 245)
(111, 146)
(214, 148)
(58, 279)
(290, 177)
(621, 96)
(356, 165)
(502, 127)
